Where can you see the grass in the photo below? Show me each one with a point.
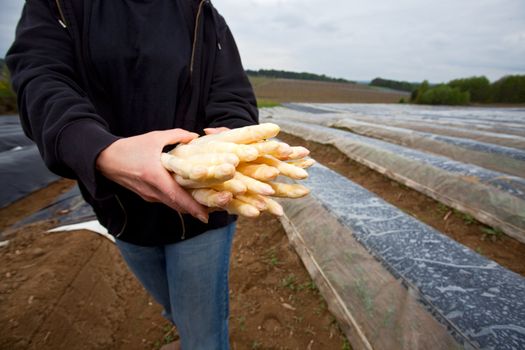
(169, 336)
(491, 232)
(289, 282)
(273, 260)
(265, 103)
(242, 323)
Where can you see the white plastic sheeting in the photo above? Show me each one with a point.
(396, 283)
(494, 198)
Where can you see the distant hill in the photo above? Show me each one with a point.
(394, 84)
(273, 73)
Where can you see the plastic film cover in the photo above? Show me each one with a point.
(396, 283)
(494, 198)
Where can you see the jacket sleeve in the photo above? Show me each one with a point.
(231, 101)
(54, 109)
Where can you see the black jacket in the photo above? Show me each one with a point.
(67, 112)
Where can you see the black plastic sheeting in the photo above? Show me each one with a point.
(481, 302)
(11, 134)
(22, 170)
(68, 208)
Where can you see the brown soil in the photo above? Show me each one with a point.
(506, 251)
(31, 204)
(73, 291)
(287, 90)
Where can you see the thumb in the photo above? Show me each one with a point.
(172, 136)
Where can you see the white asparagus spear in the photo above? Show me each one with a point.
(221, 172)
(245, 153)
(197, 171)
(284, 168)
(238, 207)
(273, 207)
(302, 163)
(213, 159)
(234, 186)
(186, 183)
(298, 152)
(254, 185)
(253, 199)
(261, 172)
(211, 198)
(289, 190)
(245, 135)
(181, 167)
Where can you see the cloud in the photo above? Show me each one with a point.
(405, 39)
(358, 39)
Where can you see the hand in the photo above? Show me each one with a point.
(134, 163)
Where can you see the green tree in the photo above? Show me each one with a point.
(394, 84)
(509, 89)
(444, 95)
(416, 94)
(7, 96)
(478, 87)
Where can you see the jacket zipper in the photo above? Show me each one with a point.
(195, 32)
(62, 19)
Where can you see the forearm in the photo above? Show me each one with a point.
(54, 108)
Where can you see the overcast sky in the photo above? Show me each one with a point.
(410, 40)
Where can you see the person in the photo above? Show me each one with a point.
(103, 87)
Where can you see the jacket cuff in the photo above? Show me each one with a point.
(78, 147)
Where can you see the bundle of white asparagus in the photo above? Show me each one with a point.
(235, 169)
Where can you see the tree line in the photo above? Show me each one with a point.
(273, 73)
(7, 96)
(394, 84)
(508, 89)
(464, 91)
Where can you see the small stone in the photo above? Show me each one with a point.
(30, 299)
(8, 274)
(18, 252)
(288, 306)
(38, 252)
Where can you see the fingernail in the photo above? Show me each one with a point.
(203, 218)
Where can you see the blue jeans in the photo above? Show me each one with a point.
(190, 280)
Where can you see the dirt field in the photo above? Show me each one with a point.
(287, 90)
(72, 291)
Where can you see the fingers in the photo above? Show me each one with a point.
(172, 136)
(210, 131)
(174, 196)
